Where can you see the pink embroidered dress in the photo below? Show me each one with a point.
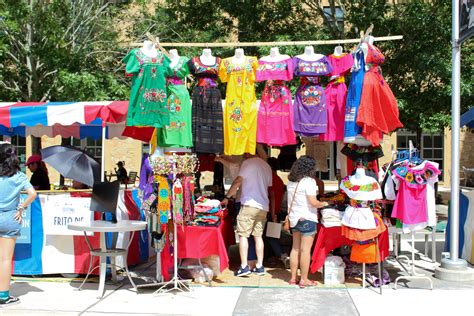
(275, 114)
(411, 206)
(336, 94)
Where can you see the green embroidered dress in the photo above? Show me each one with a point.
(178, 132)
(147, 106)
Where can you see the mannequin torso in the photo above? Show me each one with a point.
(359, 178)
(239, 56)
(365, 47)
(206, 57)
(309, 54)
(274, 56)
(174, 57)
(149, 49)
(337, 51)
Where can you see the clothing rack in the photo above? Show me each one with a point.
(278, 43)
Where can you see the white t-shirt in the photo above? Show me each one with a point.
(257, 177)
(301, 207)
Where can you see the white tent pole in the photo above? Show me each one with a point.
(102, 161)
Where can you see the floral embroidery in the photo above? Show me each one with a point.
(154, 95)
(236, 115)
(173, 103)
(153, 72)
(419, 177)
(176, 125)
(280, 66)
(317, 67)
(311, 95)
(364, 188)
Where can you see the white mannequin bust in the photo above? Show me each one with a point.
(274, 56)
(364, 47)
(239, 56)
(309, 54)
(174, 57)
(149, 49)
(206, 57)
(338, 51)
(359, 178)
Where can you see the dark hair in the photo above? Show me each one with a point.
(274, 164)
(303, 167)
(9, 163)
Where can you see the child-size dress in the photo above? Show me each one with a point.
(351, 129)
(240, 112)
(310, 114)
(378, 110)
(336, 94)
(148, 101)
(411, 204)
(178, 132)
(275, 114)
(207, 114)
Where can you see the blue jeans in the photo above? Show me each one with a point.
(9, 227)
(305, 227)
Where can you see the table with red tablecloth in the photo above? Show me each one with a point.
(200, 242)
(330, 238)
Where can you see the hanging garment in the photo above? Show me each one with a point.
(164, 200)
(367, 155)
(188, 196)
(178, 217)
(240, 113)
(146, 177)
(147, 106)
(364, 234)
(178, 132)
(207, 115)
(411, 204)
(275, 114)
(378, 110)
(351, 129)
(336, 94)
(319, 150)
(310, 115)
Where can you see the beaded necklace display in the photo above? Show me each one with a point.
(164, 204)
(178, 202)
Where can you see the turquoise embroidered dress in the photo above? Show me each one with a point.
(148, 101)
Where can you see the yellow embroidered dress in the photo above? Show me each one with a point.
(240, 112)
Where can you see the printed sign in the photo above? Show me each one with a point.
(61, 210)
(25, 233)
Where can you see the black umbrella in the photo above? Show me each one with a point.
(72, 163)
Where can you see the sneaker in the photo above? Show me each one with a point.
(259, 271)
(10, 301)
(242, 271)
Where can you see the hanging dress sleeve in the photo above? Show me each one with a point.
(132, 63)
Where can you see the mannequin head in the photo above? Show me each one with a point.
(274, 52)
(239, 53)
(174, 53)
(206, 52)
(148, 45)
(338, 50)
(309, 50)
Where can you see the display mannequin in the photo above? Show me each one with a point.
(365, 47)
(274, 56)
(206, 57)
(361, 187)
(309, 54)
(174, 57)
(149, 49)
(239, 56)
(338, 51)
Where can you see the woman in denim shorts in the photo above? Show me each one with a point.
(302, 213)
(12, 182)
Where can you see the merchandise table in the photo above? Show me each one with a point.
(200, 242)
(103, 252)
(330, 238)
(38, 252)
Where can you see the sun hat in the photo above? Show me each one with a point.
(33, 159)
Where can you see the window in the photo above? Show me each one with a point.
(431, 147)
(92, 147)
(20, 146)
(338, 15)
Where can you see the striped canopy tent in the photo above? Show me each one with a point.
(95, 120)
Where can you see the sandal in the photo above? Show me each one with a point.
(308, 283)
(292, 282)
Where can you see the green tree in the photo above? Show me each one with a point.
(58, 50)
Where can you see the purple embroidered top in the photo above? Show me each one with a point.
(310, 115)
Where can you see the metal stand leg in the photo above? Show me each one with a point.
(103, 271)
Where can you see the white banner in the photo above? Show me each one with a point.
(61, 210)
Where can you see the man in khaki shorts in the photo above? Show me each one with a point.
(255, 177)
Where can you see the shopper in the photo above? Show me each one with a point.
(39, 179)
(12, 181)
(255, 177)
(302, 214)
(121, 172)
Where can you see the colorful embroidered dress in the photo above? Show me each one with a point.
(178, 132)
(411, 206)
(336, 93)
(275, 114)
(240, 113)
(147, 106)
(310, 114)
(351, 129)
(378, 111)
(207, 115)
